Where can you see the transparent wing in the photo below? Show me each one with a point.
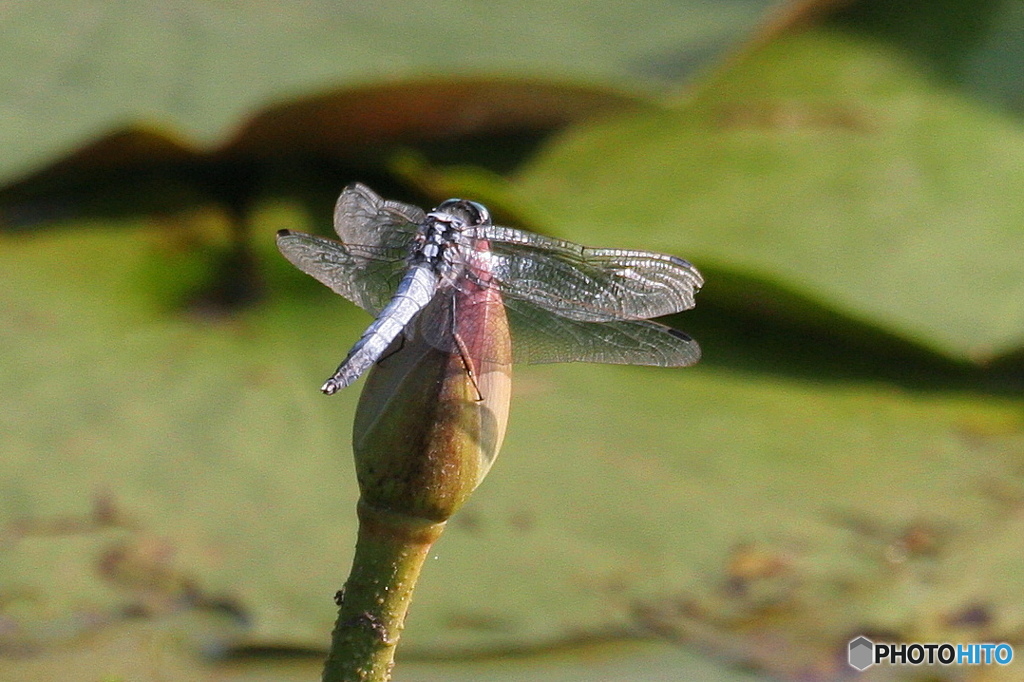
(583, 284)
(367, 276)
(367, 223)
(540, 336)
(472, 318)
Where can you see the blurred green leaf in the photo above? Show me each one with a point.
(629, 502)
(186, 76)
(993, 67)
(174, 483)
(975, 44)
(828, 166)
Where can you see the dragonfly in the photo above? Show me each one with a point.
(414, 270)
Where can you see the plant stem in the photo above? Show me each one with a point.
(390, 550)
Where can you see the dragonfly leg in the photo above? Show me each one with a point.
(467, 362)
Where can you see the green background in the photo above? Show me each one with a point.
(178, 498)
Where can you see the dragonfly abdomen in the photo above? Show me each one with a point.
(413, 294)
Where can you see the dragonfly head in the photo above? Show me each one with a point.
(462, 212)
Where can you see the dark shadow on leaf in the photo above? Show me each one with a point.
(746, 323)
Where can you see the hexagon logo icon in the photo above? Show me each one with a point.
(862, 653)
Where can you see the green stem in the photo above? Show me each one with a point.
(390, 550)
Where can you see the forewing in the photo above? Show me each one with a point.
(583, 284)
(540, 336)
(368, 277)
(364, 220)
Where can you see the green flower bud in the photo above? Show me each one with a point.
(430, 422)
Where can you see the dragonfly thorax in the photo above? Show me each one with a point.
(433, 244)
(441, 235)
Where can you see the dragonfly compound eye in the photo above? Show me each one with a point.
(480, 214)
(468, 212)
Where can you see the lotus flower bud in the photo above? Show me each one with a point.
(430, 421)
